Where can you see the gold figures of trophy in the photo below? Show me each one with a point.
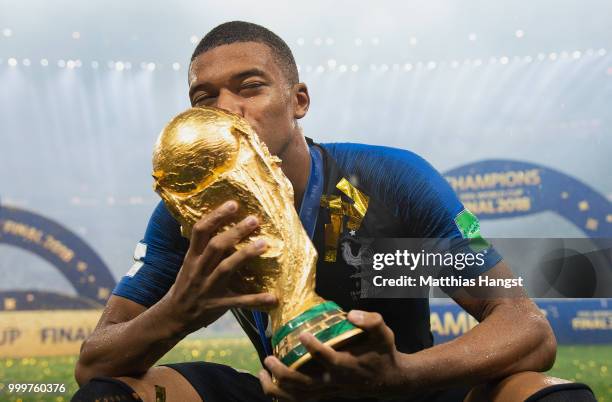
(207, 156)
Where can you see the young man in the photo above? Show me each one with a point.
(170, 291)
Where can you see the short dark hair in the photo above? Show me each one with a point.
(240, 31)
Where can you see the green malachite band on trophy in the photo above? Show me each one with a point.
(301, 319)
(323, 336)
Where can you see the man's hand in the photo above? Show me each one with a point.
(200, 293)
(370, 368)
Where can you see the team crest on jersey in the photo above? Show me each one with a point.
(139, 254)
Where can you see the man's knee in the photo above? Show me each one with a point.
(158, 383)
(533, 387)
(105, 389)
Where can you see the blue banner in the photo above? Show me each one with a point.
(67, 252)
(574, 321)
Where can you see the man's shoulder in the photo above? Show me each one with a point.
(344, 152)
(376, 165)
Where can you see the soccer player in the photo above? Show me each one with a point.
(176, 285)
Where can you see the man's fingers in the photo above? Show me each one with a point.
(205, 227)
(271, 389)
(224, 270)
(260, 301)
(224, 242)
(372, 323)
(325, 354)
(288, 378)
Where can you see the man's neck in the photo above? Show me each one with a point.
(296, 166)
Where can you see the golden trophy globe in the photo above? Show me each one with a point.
(206, 156)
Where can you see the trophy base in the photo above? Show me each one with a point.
(326, 321)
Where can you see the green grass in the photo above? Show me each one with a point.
(589, 364)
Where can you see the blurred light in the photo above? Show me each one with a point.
(78, 63)
(577, 54)
(431, 65)
(407, 67)
(176, 66)
(342, 68)
(553, 56)
(320, 69)
(119, 66)
(300, 41)
(70, 64)
(519, 33)
(477, 62)
(94, 65)
(76, 35)
(384, 67)
(7, 32)
(541, 56)
(329, 41)
(26, 62)
(602, 52)
(318, 41)
(12, 62)
(331, 63)
(358, 42)
(528, 59)
(504, 60)
(61, 63)
(44, 62)
(354, 68)
(413, 41)
(472, 37)
(375, 41)
(151, 66)
(193, 39)
(454, 64)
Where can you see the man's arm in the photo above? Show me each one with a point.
(129, 338)
(513, 336)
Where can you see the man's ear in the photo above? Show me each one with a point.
(301, 100)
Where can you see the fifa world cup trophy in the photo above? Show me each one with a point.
(207, 156)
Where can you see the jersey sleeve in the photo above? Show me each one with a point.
(419, 196)
(157, 260)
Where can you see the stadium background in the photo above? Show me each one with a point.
(87, 86)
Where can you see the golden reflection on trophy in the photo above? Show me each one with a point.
(207, 156)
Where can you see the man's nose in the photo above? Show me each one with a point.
(229, 101)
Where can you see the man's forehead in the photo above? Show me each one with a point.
(224, 61)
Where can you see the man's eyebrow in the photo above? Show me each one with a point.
(238, 76)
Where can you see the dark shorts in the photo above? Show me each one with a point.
(220, 383)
